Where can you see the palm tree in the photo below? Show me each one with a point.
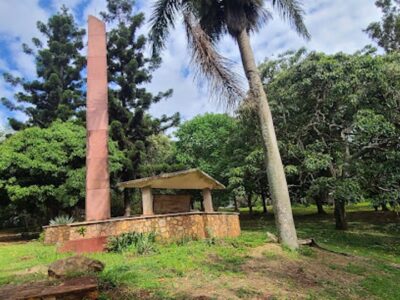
(206, 21)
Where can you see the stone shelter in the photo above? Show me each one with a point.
(169, 216)
(193, 179)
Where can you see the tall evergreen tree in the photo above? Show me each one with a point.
(129, 101)
(56, 91)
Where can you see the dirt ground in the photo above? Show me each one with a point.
(269, 272)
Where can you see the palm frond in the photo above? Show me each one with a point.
(257, 15)
(292, 11)
(224, 84)
(162, 20)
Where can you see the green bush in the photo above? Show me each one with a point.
(141, 243)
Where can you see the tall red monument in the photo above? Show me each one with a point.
(97, 176)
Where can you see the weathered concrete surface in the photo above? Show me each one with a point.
(207, 201)
(97, 176)
(167, 227)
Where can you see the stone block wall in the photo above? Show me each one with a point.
(167, 227)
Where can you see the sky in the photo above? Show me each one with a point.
(334, 26)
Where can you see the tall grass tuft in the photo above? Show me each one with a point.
(141, 243)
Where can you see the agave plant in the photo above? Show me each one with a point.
(62, 220)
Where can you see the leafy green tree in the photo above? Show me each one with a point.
(247, 176)
(160, 156)
(386, 33)
(42, 171)
(56, 93)
(206, 22)
(337, 116)
(203, 142)
(129, 101)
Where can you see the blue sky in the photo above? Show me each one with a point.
(334, 25)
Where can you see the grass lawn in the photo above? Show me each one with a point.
(247, 267)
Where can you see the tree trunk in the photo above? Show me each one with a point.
(235, 203)
(340, 205)
(264, 202)
(127, 203)
(340, 215)
(276, 175)
(320, 208)
(250, 204)
(319, 202)
(384, 207)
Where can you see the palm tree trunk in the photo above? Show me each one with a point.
(276, 175)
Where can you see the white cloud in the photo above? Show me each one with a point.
(68, 3)
(18, 18)
(94, 8)
(334, 26)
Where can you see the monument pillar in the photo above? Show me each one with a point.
(97, 176)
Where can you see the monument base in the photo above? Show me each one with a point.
(93, 234)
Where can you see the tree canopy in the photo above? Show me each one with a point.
(337, 115)
(386, 33)
(42, 171)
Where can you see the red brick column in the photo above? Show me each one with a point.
(97, 177)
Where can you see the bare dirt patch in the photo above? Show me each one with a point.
(268, 272)
(41, 269)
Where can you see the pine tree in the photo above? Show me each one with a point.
(56, 93)
(129, 70)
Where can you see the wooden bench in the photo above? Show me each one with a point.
(71, 289)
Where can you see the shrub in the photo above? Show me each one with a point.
(141, 243)
(210, 238)
(62, 220)
(81, 231)
(41, 237)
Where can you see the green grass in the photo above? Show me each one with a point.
(370, 233)
(374, 236)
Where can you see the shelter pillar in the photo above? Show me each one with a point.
(147, 201)
(207, 201)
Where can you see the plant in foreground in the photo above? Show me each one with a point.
(141, 243)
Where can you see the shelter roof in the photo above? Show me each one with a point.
(188, 179)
